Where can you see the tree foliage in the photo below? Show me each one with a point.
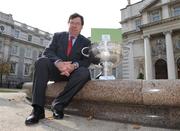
(5, 67)
(140, 76)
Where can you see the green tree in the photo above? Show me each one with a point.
(140, 76)
(5, 67)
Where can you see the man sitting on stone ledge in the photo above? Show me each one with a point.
(61, 61)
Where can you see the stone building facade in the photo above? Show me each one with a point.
(151, 39)
(20, 45)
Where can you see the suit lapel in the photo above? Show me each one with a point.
(76, 45)
(65, 43)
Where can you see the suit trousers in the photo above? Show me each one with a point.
(45, 70)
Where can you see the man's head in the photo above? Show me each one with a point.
(76, 22)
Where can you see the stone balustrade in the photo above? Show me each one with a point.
(154, 103)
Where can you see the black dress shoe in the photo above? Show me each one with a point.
(34, 117)
(58, 114)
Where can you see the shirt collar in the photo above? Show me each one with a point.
(75, 37)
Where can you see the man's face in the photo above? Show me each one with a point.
(75, 26)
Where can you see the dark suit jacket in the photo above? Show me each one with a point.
(58, 48)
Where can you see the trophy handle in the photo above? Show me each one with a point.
(82, 51)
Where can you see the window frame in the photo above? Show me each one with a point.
(28, 52)
(27, 67)
(30, 38)
(178, 11)
(14, 69)
(14, 50)
(154, 15)
(16, 33)
(138, 23)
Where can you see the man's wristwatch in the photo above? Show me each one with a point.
(76, 65)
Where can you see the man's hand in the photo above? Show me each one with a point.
(65, 67)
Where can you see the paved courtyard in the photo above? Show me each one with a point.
(14, 108)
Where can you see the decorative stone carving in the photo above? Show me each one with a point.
(159, 49)
(177, 45)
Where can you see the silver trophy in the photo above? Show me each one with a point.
(110, 55)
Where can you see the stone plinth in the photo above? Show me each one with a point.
(153, 103)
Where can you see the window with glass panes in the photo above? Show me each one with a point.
(26, 69)
(14, 49)
(155, 15)
(28, 52)
(29, 37)
(13, 67)
(177, 11)
(16, 33)
(137, 23)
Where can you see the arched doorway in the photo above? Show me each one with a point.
(178, 68)
(161, 69)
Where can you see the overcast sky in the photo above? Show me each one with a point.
(52, 15)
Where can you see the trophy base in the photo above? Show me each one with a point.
(107, 78)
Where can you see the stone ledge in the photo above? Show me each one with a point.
(161, 92)
(141, 92)
(152, 103)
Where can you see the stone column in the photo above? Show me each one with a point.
(131, 60)
(170, 55)
(6, 48)
(148, 58)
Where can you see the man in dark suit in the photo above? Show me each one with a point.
(62, 60)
